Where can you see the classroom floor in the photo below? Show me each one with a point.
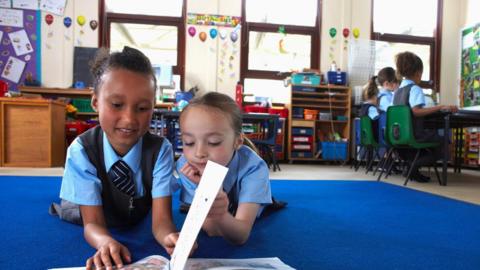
(464, 186)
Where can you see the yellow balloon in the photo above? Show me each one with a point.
(356, 32)
(81, 20)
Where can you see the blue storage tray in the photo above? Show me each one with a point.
(301, 88)
(302, 131)
(301, 154)
(335, 77)
(334, 150)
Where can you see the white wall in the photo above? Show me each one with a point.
(58, 42)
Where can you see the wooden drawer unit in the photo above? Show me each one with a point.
(32, 133)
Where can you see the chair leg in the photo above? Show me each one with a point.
(389, 154)
(411, 167)
(438, 175)
(274, 159)
(371, 154)
(380, 161)
(361, 158)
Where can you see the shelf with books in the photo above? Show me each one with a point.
(319, 122)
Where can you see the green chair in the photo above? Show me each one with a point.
(400, 134)
(367, 141)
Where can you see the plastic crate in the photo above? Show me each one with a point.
(82, 105)
(334, 150)
(337, 77)
(302, 131)
(255, 109)
(310, 114)
(302, 88)
(282, 112)
(301, 154)
(305, 78)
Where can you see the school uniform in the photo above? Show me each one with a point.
(385, 98)
(412, 95)
(247, 181)
(85, 180)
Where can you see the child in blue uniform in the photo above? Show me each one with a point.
(389, 83)
(211, 128)
(118, 171)
(410, 67)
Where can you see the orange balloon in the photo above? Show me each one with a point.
(202, 36)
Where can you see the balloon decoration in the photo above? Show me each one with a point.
(223, 34)
(213, 33)
(332, 32)
(346, 33)
(281, 42)
(202, 36)
(234, 36)
(356, 32)
(49, 19)
(67, 21)
(192, 31)
(81, 20)
(93, 24)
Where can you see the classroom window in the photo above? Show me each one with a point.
(278, 37)
(158, 31)
(409, 29)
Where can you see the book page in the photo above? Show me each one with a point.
(207, 190)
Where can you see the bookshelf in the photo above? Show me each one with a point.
(319, 116)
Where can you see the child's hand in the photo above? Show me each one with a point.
(170, 241)
(109, 254)
(219, 206)
(192, 173)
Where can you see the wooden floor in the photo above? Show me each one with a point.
(464, 186)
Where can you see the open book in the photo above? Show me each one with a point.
(157, 262)
(202, 201)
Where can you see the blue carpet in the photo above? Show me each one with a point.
(327, 225)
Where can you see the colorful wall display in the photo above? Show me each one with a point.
(217, 20)
(19, 47)
(470, 72)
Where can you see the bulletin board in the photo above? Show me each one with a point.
(19, 46)
(470, 71)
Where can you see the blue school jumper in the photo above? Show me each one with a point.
(247, 180)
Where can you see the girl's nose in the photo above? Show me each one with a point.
(200, 151)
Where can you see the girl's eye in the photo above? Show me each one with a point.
(214, 143)
(187, 143)
(116, 105)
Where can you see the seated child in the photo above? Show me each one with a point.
(410, 67)
(211, 128)
(389, 83)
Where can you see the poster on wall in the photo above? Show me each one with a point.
(470, 71)
(11, 17)
(19, 47)
(53, 6)
(25, 4)
(5, 4)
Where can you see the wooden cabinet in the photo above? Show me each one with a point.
(32, 133)
(319, 117)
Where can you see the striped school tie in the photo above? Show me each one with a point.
(120, 175)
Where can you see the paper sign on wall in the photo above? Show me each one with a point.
(11, 17)
(53, 6)
(5, 3)
(25, 4)
(13, 69)
(20, 42)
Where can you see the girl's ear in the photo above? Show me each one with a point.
(238, 142)
(94, 102)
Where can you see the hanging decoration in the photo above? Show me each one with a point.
(356, 33)
(234, 36)
(192, 31)
(213, 33)
(331, 54)
(93, 24)
(81, 20)
(281, 42)
(67, 21)
(49, 19)
(213, 20)
(202, 36)
(223, 34)
(346, 33)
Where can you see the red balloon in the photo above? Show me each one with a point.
(49, 19)
(346, 32)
